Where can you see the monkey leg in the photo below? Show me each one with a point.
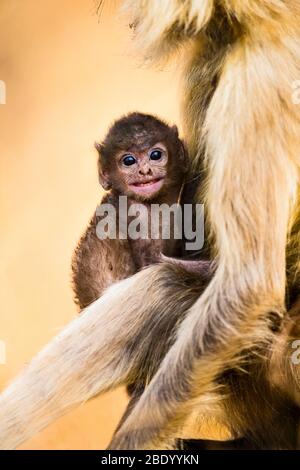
(249, 202)
(119, 339)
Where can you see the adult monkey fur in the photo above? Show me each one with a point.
(244, 57)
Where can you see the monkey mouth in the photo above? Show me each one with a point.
(147, 187)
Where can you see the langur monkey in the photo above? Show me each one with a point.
(143, 159)
(243, 131)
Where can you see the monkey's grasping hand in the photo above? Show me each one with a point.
(203, 267)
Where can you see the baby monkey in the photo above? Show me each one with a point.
(142, 158)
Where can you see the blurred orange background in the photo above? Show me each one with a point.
(68, 74)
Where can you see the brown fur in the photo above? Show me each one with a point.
(97, 263)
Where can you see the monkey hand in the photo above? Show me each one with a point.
(203, 268)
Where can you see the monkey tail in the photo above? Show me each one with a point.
(119, 339)
(73, 367)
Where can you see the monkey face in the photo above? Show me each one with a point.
(140, 173)
(141, 157)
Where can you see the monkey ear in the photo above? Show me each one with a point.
(175, 130)
(104, 178)
(98, 147)
(103, 174)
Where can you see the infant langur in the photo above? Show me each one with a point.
(141, 158)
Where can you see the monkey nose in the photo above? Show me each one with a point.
(145, 171)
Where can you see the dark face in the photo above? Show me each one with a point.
(140, 173)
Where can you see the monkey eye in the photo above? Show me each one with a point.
(128, 160)
(156, 155)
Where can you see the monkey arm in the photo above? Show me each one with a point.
(91, 355)
(110, 343)
(99, 263)
(202, 267)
